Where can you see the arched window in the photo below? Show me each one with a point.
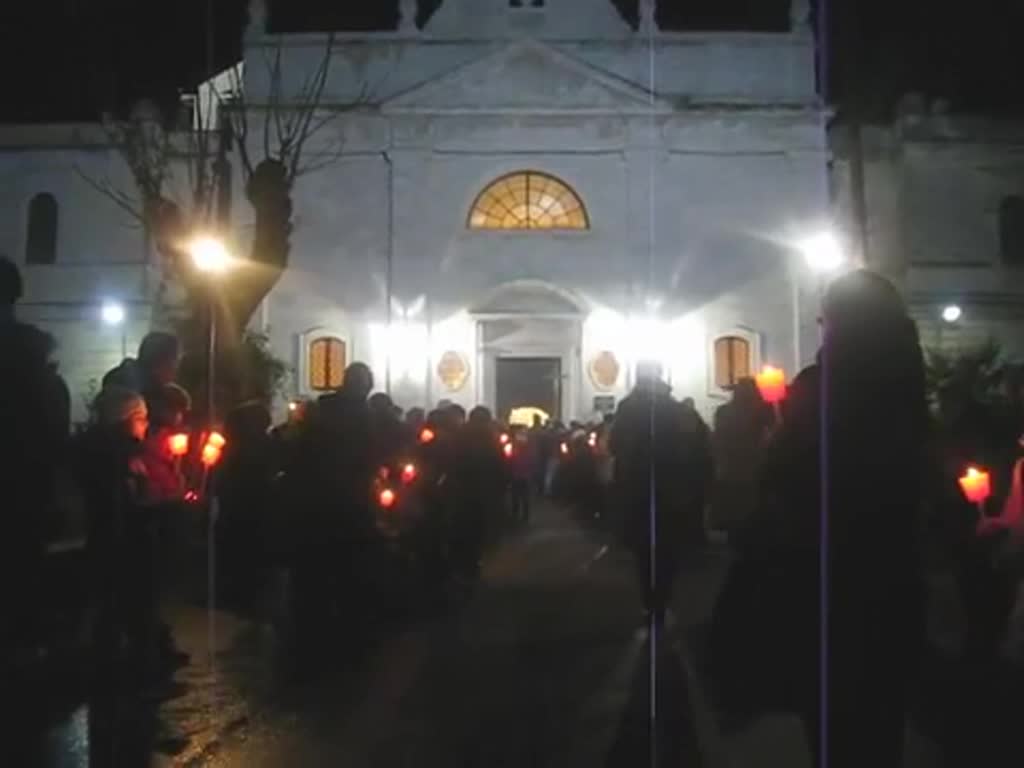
(1011, 230)
(41, 238)
(732, 360)
(326, 363)
(528, 200)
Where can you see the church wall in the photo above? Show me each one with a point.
(718, 263)
(99, 256)
(933, 186)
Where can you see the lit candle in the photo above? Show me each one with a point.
(976, 486)
(771, 383)
(178, 444)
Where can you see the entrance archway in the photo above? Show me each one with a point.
(528, 349)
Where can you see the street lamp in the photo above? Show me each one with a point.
(112, 313)
(211, 257)
(209, 254)
(823, 255)
(822, 252)
(951, 313)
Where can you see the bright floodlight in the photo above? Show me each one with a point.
(112, 313)
(822, 252)
(951, 313)
(209, 254)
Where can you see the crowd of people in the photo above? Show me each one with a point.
(829, 503)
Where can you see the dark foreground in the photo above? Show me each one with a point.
(549, 663)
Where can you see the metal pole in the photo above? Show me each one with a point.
(211, 363)
(124, 342)
(798, 358)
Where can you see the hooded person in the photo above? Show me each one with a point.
(659, 476)
(858, 414)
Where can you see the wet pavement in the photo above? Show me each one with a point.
(549, 663)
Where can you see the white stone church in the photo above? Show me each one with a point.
(530, 199)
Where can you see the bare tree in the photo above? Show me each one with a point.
(180, 175)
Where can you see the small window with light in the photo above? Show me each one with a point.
(326, 363)
(733, 361)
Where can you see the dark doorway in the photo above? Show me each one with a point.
(529, 382)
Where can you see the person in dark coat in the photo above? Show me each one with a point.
(479, 483)
(330, 484)
(119, 500)
(245, 485)
(851, 450)
(35, 413)
(740, 428)
(660, 481)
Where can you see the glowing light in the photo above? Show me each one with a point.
(211, 455)
(592, 439)
(112, 313)
(564, 448)
(951, 313)
(216, 439)
(178, 444)
(507, 449)
(191, 497)
(209, 254)
(409, 473)
(293, 406)
(387, 498)
(976, 485)
(771, 382)
(503, 438)
(822, 252)
(427, 435)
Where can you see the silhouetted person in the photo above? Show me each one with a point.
(866, 479)
(245, 487)
(335, 523)
(156, 366)
(479, 483)
(658, 479)
(35, 414)
(739, 433)
(388, 433)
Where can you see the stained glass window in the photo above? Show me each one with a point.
(326, 363)
(732, 361)
(528, 200)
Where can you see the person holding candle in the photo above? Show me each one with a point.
(831, 551)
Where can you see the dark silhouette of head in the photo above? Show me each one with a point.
(689, 404)
(457, 414)
(480, 415)
(861, 299)
(358, 381)
(11, 287)
(380, 403)
(159, 356)
(648, 374)
(745, 392)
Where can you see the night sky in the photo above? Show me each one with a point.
(73, 59)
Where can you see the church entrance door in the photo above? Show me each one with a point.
(528, 382)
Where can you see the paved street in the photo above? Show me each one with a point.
(548, 664)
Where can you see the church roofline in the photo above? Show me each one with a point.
(662, 39)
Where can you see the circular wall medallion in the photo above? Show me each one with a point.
(604, 370)
(453, 370)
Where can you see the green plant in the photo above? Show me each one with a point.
(244, 372)
(972, 378)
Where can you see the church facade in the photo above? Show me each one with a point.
(531, 199)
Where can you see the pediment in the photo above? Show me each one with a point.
(526, 76)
